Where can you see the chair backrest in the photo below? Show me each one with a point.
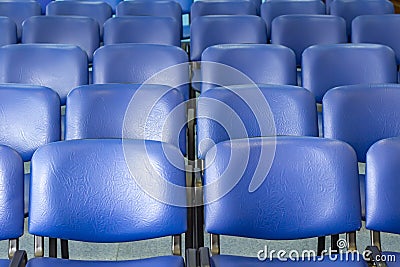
(59, 67)
(142, 29)
(378, 29)
(8, 31)
(99, 185)
(18, 11)
(206, 31)
(301, 31)
(140, 63)
(224, 65)
(12, 194)
(350, 9)
(100, 11)
(74, 30)
(382, 186)
(249, 111)
(112, 3)
(151, 112)
(273, 9)
(294, 197)
(231, 7)
(362, 114)
(331, 65)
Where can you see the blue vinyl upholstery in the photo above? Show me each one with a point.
(225, 29)
(73, 30)
(249, 111)
(151, 112)
(301, 31)
(140, 63)
(331, 65)
(59, 67)
(8, 31)
(247, 63)
(142, 29)
(112, 3)
(231, 7)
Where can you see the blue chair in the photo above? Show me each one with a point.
(224, 65)
(108, 190)
(142, 29)
(8, 30)
(74, 30)
(332, 65)
(250, 111)
(99, 11)
(350, 9)
(18, 11)
(112, 3)
(231, 7)
(251, 192)
(142, 63)
(272, 9)
(59, 67)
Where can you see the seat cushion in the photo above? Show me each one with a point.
(4, 263)
(167, 261)
(392, 258)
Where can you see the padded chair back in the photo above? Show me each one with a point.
(301, 31)
(112, 3)
(231, 7)
(8, 31)
(79, 31)
(207, 31)
(294, 197)
(59, 67)
(99, 11)
(142, 29)
(378, 29)
(249, 111)
(140, 63)
(360, 115)
(246, 64)
(350, 9)
(328, 66)
(99, 185)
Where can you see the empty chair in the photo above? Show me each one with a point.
(79, 31)
(112, 3)
(59, 67)
(142, 63)
(100, 11)
(273, 9)
(142, 29)
(88, 190)
(249, 111)
(331, 65)
(350, 9)
(231, 7)
(8, 31)
(18, 11)
(281, 196)
(224, 65)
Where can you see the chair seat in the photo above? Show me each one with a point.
(4, 263)
(167, 261)
(390, 263)
(27, 179)
(238, 261)
(186, 32)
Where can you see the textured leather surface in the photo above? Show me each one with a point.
(301, 31)
(142, 29)
(350, 9)
(8, 31)
(327, 66)
(273, 9)
(163, 261)
(59, 67)
(221, 112)
(379, 29)
(18, 11)
(151, 112)
(139, 63)
(12, 194)
(298, 198)
(29, 117)
(84, 190)
(205, 8)
(206, 31)
(382, 186)
(362, 114)
(74, 30)
(251, 63)
(100, 11)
